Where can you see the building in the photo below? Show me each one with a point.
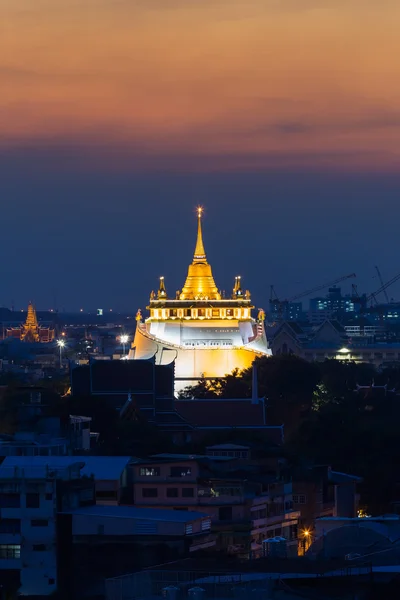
(109, 473)
(205, 333)
(320, 492)
(31, 498)
(244, 506)
(330, 340)
(31, 330)
(53, 537)
(284, 311)
(273, 516)
(332, 306)
(353, 538)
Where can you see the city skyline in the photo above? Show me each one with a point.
(117, 118)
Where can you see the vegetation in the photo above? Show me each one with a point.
(328, 418)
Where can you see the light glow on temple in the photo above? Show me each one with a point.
(206, 333)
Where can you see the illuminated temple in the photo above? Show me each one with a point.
(207, 334)
(31, 330)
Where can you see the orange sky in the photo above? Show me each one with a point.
(232, 83)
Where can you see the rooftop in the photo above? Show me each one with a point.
(101, 467)
(222, 412)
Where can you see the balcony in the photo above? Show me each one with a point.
(287, 515)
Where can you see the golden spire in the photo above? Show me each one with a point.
(162, 292)
(199, 252)
(30, 330)
(200, 284)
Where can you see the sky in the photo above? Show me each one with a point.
(118, 117)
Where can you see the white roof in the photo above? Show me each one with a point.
(101, 467)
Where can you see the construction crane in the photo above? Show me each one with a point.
(320, 287)
(281, 303)
(383, 287)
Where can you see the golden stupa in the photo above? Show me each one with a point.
(205, 333)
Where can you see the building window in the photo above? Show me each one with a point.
(229, 312)
(225, 513)
(32, 501)
(180, 471)
(189, 529)
(173, 312)
(39, 523)
(201, 312)
(149, 492)
(215, 312)
(187, 493)
(172, 492)
(10, 551)
(299, 499)
(10, 526)
(10, 501)
(206, 524)
(150, 471)
(49, 496)
(111, 495)
(39, 547)
(187, 312)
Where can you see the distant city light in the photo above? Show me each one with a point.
(124, 340)
(344, 351)
(61, 345)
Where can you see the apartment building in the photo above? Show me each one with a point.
(30, 500)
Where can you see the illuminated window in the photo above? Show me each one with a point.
(187, 312)
(10, 551)
(229, 312)
(173, 312)
(201, 312)
(150, 471)
(215, 312)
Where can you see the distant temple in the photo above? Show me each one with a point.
(31, 331)
(206, 334)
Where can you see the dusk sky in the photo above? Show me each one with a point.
(118, 117)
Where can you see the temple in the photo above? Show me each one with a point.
(31, 331)
(205, 333)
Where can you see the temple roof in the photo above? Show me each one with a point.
(199, 282)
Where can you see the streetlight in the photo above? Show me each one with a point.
(124, 340)
(60, 344)
(306, 540)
